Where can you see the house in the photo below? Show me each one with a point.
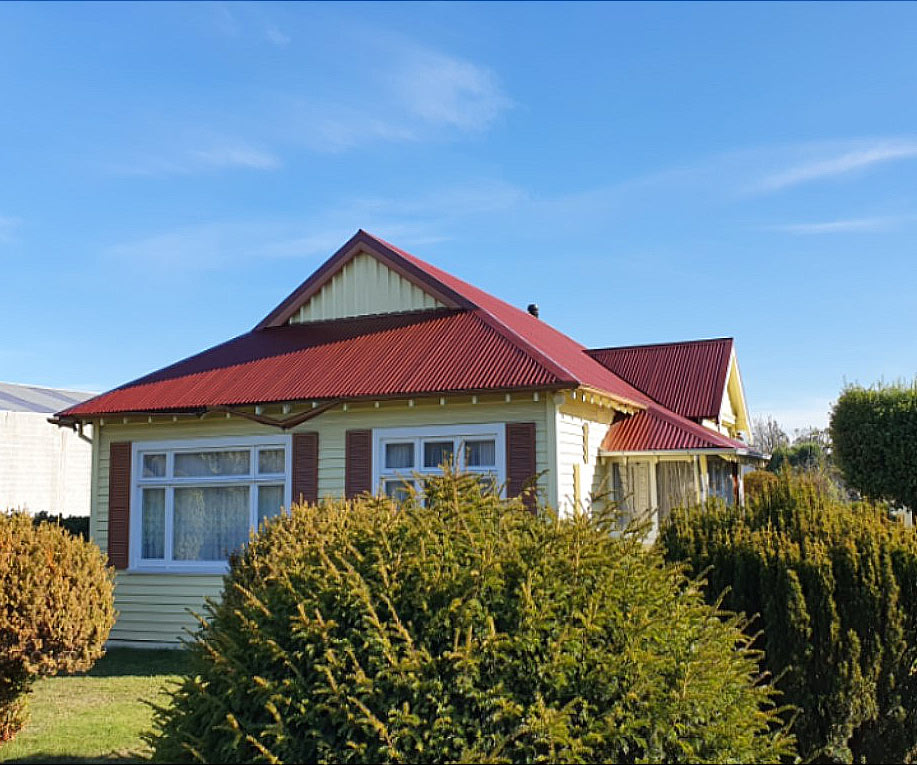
(371, 374)
(42, 467)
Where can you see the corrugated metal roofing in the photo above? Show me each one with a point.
(688, 377)
(655, 429)
(534, 335)
(16, 397)
(480, 344)
(422, 352)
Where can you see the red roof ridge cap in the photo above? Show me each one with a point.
(636, 346)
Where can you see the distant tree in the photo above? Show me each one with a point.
(768, 435)
(874, 432)
(78, 525)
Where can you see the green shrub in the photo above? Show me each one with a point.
(56, 609)
(835, 589)
(874, 431)
(758, 482)
(469, 630)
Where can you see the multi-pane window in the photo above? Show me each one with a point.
(404, 455)
(195, 503)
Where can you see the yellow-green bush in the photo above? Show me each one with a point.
(834, 587)
(56, 609)
(758, 482)
(468, 630)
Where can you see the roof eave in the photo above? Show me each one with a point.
(688, 452)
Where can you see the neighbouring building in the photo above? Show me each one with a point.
(42, 466)
(371, 374)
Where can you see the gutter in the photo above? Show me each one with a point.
(688, 452)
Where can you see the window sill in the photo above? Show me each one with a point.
(216, 570)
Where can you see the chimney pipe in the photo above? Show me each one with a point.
(533, 309)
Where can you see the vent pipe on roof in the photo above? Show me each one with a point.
(533, 309)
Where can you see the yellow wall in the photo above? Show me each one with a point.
(153, 607)
(364, 286)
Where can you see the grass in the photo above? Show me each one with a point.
(99, 716)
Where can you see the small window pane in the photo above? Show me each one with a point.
(199, 464)
(488, 483)
(437, 453)
(270, 502)
(209, 522)
(153, 536)
(400, 491)
(271, 461)
(154, 465)
(480, 453)
(399, 456)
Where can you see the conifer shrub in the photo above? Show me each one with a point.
(758, 482)
(56, 609)
(467, 630)
(874, 432)
(833, 587)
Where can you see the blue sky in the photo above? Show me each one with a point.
(643, 172)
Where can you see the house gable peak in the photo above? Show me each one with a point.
(365, 277)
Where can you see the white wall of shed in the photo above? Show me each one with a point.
(42, 466)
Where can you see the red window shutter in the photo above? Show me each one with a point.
(305, 467)
(358, 467)
(520, 459)
(119, 503)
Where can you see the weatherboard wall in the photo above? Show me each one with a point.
(156, 607)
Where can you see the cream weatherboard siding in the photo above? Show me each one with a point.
(364, 286)
(154, 607)
(580, 429)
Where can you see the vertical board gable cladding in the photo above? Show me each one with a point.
(362, 287)
(520, 459)
(304, 477)
(358, 467)
(119, 503)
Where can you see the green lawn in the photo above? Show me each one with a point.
(98, 716)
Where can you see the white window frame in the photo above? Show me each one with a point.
(252, 479)
(458, 434)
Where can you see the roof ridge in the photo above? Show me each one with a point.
(495, 322)
(660, 345)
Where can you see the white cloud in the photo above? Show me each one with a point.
(447, 91)
(847, 161)
(275, 37)
(219, 155)
(236, 155)
(847, 225)
(8, 226)
(408, 95)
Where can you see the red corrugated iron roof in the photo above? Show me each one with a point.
(655, 429)
(478, 343)
(422, 352)
(533, 335)
(688, 377)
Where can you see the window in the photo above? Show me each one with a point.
(720, 479)
(403, 456)
(195, 502)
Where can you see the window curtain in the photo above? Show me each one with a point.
(674, 486)
(719, 479)
(153, 532)
(622, 493)
(209, 522)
